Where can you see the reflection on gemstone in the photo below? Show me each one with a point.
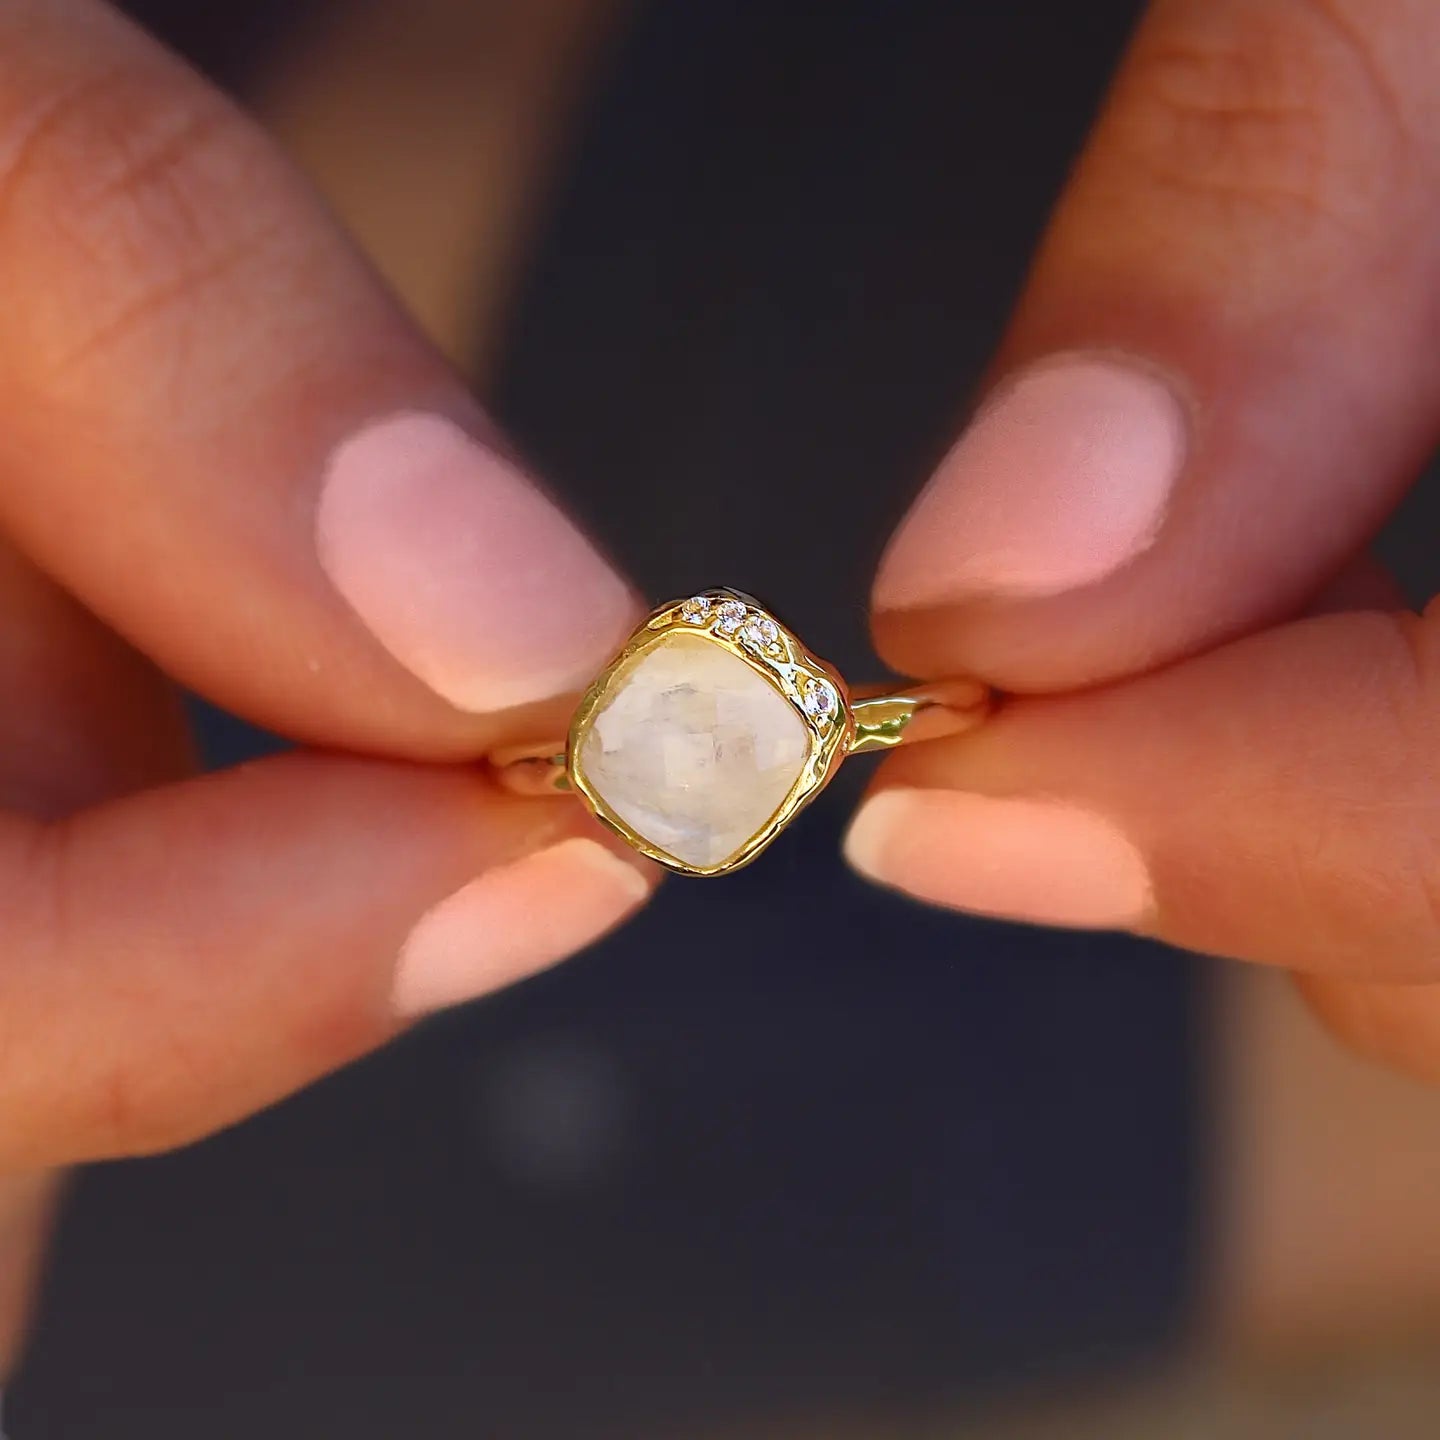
(819, 699)
(693, 749)
(730, 615)
(760, 632)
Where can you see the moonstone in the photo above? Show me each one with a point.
(693, 750)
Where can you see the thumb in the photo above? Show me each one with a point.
(1222, 373)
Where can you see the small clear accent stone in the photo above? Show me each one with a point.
(731, 615)
(760, 632)
(696, 609)
(819, 700)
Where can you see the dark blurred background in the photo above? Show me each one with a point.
(786, 1146)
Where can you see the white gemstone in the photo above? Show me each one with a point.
(760, 632)
(819, 699)
(730, 616)
(693, 749)
(696, 609)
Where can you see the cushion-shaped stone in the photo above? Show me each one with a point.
(692, 749)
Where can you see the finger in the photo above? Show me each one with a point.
(179, 958)
(1396, 1025)
(218, 432)
(84, 718)
(1222, 372)
(1274, 800)
(1363, 584)
(26, 1207)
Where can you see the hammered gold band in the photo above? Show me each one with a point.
(714, 726)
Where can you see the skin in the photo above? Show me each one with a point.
(188, 337)
(1252, 218)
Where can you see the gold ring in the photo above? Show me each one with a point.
(715, 726)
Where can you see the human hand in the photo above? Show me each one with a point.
(1222, 375)
(221, 442)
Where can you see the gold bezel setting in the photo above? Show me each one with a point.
(742, 627)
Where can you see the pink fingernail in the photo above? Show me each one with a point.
(512, 921)
(462, 569)
(1020, 859)
(1063, 477)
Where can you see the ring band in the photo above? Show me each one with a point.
(715, 726)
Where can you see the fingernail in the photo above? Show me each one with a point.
(1019, 859)
(1063, 477)
(513, 921)
(462, 569)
